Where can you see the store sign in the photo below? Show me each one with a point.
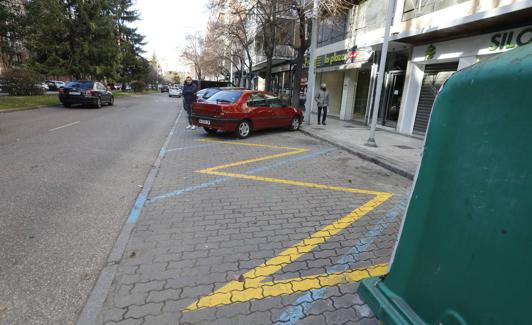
(510, 39)
(342, 57)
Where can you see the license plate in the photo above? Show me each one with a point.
(74, 93)
(206, 122)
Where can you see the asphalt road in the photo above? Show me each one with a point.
(68, 179)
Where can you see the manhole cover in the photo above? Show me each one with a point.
(402, 146)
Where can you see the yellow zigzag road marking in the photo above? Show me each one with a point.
(253, 286)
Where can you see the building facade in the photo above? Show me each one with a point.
(446, 37)
(430, 40)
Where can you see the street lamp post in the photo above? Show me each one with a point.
(380, 75)
(309, 102)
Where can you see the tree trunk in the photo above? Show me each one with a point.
(270, 41)
(300, 59)
(270, 49)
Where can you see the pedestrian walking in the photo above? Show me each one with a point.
(189, 97)
(322, 98)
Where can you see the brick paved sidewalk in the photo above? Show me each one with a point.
(276, 235)
(396, 152)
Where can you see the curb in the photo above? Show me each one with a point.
(96, 299)
(371, 158)
(10, 110)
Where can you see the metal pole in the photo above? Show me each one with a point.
(380, 76)
(311, 80)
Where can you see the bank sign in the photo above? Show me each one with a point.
(510, 39)
(341, 57)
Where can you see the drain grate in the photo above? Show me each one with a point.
(400, 146)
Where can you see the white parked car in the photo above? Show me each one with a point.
(42, 85)
(174, 92)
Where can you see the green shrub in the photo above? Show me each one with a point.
(21, 82)
(138, 86)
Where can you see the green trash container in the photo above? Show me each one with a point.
(465, 249)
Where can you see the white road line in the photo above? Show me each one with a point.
(64, 126)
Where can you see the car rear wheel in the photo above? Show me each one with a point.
(99, 103)
(295, 123)
(67, 105)
(112, 101)
(243, 129)
(210, 131)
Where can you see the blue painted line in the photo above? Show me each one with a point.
(224, 179)
(188, 189)
(304, 303)
(190, 147)
(143, 195)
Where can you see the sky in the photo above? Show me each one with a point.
(165, 23)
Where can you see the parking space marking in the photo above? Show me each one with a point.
(252, 284)
(64, 126)
(187, 148)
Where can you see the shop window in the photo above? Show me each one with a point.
(332, 29)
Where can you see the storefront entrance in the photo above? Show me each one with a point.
(391, 102)
(433, 78)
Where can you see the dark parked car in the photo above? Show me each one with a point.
(164, 88)
(85, 92)
(206, 93)
(243, 111)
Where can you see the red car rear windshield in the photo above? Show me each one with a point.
(225, 97)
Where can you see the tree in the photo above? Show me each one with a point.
(130, 42)
(193, 53)
(84, 39)
(232, 28)
(11, 31)
(174, 77)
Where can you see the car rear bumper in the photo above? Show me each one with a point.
(224, 124)
(78, 99)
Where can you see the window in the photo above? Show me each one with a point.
(225, 97)
(256, 100)
(80, 84)
(332, 29)
(418, 8)
(273, 101)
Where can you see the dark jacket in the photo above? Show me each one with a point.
(189, 92)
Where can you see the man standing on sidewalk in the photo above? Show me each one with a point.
(189, 97)
(322, 98)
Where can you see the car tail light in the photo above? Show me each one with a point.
(89, 92)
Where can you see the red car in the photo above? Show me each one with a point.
(243, 111)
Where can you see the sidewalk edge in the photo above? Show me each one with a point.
(371, 158)
(96, 299)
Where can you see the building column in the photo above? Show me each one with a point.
(412, 88)
(348, 95)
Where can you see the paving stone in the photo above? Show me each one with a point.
(341, 316)
(187, 246)
(113, 314)
(128, 300)
(363, 310)
(163, 319)
(130, 321)
(163, 295)
(135, 311)
(148, 286)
